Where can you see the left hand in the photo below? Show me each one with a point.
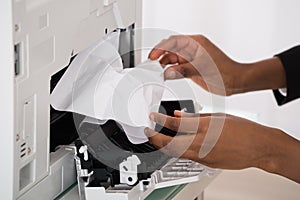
(197, 58)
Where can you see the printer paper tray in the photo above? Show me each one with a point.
(179, 171)
(175, 172)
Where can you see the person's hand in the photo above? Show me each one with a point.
(197, 58)
(240, 144)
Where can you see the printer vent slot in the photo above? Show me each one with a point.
(23, 144)
(23, 150)
(17, 50)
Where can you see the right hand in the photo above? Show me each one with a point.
(197, 58)
(228, 142)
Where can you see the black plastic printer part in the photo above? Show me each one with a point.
(168, 108)
(108, 146)
(62, 124)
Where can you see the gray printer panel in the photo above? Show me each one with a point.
(46, 35)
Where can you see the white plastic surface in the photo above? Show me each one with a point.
(180, 171)
(61, 176)
(175, 172)
(7, 170)
(129, 170)
(48, 33)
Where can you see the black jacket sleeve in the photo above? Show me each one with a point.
(291, 63)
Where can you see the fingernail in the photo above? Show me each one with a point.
(151, 117)
(147, 132)
(170, 74)
(176, 112)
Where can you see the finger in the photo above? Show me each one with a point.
(172, 44)
(213, 115)
(156, 53)
(161, 48)
(178, 113)
(157, 139)
(179, 71)
(169, 58)
(178, 146)
(185, 55)
(186, 125)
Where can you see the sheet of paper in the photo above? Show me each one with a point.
(97, 86)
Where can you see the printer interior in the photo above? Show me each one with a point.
(108, 141)
(62, 124)
(62, 127)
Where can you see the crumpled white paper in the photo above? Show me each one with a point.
(96, 85)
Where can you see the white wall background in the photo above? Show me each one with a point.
(247, 31)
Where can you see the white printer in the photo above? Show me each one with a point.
(39, 38)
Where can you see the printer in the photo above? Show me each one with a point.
(46, 155)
